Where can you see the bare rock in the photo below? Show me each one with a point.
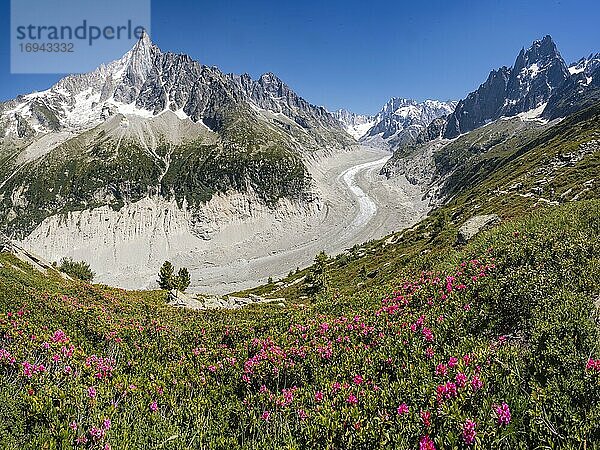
(475, 225)
(180, 300)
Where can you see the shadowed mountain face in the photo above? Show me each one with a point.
(536, 73)
(581, 90)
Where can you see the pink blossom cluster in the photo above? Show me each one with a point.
(502, 414)
(102, 366)
(30, 370)
(468, 432)
(6, 357)
(59, 337)
(593, 365)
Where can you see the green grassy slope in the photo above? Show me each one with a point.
(508, 319)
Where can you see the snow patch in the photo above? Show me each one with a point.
(533, 114)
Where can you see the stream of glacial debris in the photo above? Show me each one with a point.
(367, 207)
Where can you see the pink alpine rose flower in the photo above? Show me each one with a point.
(426, 443)
(402, 409)
(468, 432)
(502, 414)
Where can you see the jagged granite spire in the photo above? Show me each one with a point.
(536, 73)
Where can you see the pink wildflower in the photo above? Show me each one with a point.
(154, 406)
(476, 383)
(468, 432)
(502, 414)
(402, 409)
(593, 365)
(441, 370)
(426, 418)
(426, 443)
(427, 334)
(91, 391)
(461, 379)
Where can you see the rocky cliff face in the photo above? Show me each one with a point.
(579, 91)
(527, 85)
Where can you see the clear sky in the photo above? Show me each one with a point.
(355, 54)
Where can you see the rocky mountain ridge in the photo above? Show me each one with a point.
(510, 108)
(525, 86)
(147, 82)
(398, 122)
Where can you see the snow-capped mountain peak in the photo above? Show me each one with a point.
(585, 65)
(400, 120)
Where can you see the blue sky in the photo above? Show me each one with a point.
(355, 54)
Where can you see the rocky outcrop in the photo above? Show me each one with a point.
(198, 302)
(475, 225)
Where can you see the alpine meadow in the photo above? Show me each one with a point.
(196, 259)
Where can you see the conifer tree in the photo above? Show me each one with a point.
(182, 279)
(165, 276)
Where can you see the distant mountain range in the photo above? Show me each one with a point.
(155, 123)
(155, 143)
(399, 121)
(539, 83)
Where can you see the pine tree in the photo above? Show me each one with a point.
(317, 277)
(165, 276)
(182, 279)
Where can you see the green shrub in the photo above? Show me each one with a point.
(76, 269)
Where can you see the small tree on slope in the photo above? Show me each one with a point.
(165, 276)
(182, 280)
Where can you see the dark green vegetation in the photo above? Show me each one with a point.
(507, 320)
(168, 280)
(76, 269)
